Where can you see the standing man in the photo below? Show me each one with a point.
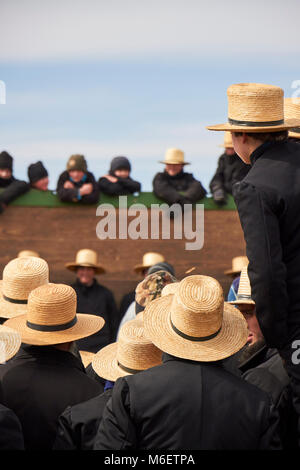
(94, 298)
(268, 201)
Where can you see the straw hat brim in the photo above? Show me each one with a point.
(232, 337)
(105, 363)
(86, 325)
(294, 134)
(86, 357)
(174, 163)
(140, 267)
(74, 266)
(9, 309)
(241, 302)
(10, 342)
(231, 271)
(288, 124)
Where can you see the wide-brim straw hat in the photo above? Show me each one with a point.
(244, 290)
(86, 258)
(86, 357)
(132, 353)
(20, 277)
(10, 342)
(292, 111)
(149, 259)
(255, 107)
(26, 253)
(194, 323)
(227, 141)
(237, 264)
(51, 317)
(174, 157)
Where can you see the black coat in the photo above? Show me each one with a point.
(97, 300)
(11, 435)
(184, 405)
(78, 425)
(13, 188)
(122, 187)
(38, 384)
(268, 201)
(168, 188)
(230, 170)
(71, 195)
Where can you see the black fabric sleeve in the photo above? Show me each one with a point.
(66, 195)
(195, 191)
(93, 197)
(270, 430)
(65, 435)
(14, 190)
(164, 191)
(107, 187)
(131, 185)
(11, 435)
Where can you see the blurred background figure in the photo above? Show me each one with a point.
(12, 188)
(292, 111)
(38, 176)
(237, 264)
(118, 181)
(26, 253)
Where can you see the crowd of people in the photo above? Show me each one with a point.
(181, 365)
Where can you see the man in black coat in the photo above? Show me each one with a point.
(268, 201)
(13, 188)
(77, 184)
(191, 401)
(174, 185)
(118, 181)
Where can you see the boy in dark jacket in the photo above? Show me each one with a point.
(13, 188)
(76, 184)
(118, 181)
(38, 176)
(174, 185)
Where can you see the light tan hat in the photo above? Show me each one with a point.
(174, 157)
(10, 342)
(170, 288)
(237, 265)
(20, 277)
(51, 317)
(227, 141)
(26, 253)
(86, 357)
(255, 107)
(149, 259)
(244, 290)
(292, 111)
(194, 323)
(86, 258)
(132, 353)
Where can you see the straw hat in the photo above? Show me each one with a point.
(174, 157)
(237, 265)
(86, 357)
(170, 289)
(292, 111)
(26, 253)
(51, 317)
(20, 277)
(87, 258)
(244, 290)
(10, 342)
(255, 107)
(227, 141)
(194, 323)
(132, 353)
(149, 259)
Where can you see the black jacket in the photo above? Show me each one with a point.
(230, 170)
(184, 405)
(268, 201)
(13, 188)
(78, 425)
(97, 300)
(11, 435)
(122, 187)
(38, 384)
(169, 188)
(71, 195)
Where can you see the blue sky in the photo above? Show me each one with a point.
(107, 78)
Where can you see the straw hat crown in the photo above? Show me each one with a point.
(227, 140)
(22, 275)
(237, 264)
(292, 111)
(26, 253)
(244, 290)
(149, 259)
(174, 156)
(86, 258)
(10, 342)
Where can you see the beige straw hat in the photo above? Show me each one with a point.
(292, 111)
(227, 141)
(149, 259)
(255, 107)
(26, 253)
(20, 277)
(10, 342)
(132, 353)
(86, 258)
(174, 157)
(237, 265)
(86, 357)
(244, 290)
(170, 289)
(51, 317)
(194, 323)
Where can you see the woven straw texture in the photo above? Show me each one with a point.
(292, 111)
(244, 290)
(149, 259)
(237, 264)
(10, 342)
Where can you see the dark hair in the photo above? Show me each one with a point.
(280, 136)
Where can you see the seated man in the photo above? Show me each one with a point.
(13, 188)
(230, 170)
(174, 185)
(38, 176)
(76, 183)
(118, 181)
